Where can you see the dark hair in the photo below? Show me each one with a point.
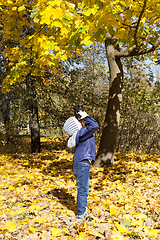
(79, 108)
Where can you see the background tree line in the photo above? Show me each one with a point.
(84, 80)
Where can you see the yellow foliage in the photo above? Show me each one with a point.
(72, 24)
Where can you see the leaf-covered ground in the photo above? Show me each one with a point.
(38, 196)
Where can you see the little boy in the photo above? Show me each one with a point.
(82, 138)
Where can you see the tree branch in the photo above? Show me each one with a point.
(137, 52)
(14, 5)
(127, 25)
(137, 26)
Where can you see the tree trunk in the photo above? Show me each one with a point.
(106, 151)
(28, 125)
(4, 108)
(34, 119)
(6, 120)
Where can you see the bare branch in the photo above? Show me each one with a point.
(14, 5)
(130, 26)
(137, 26)
(137, 52)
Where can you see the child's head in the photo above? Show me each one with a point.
(71, 126)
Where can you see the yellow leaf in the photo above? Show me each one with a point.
(32, 208)
(143, 20)
(57, 12)
(136, 223)
(57, 24)
(70, 5)
(64, 30)
(89, 11)
(141, 216)
(2, 198)
(116, 236)
(10, 226)
(121, 229)
(13, 199)
(96, 198)
(21, 8)
(55, 2)
(63, 58)
(127, 216)
(152, 232)
(82, 235)
(104, 182)
(32, 229)
(9, 2)
(40, 220)
(1, 212)
(113, 211)
(94, 232)
(86, 41)
(56, 232)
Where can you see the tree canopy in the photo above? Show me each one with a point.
(42, 33)
(50, 31)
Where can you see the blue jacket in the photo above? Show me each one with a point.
(85, 141)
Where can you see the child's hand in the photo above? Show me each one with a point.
(82, 114)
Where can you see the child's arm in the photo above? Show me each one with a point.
(86, 132)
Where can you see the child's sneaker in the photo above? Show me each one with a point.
(84, 215)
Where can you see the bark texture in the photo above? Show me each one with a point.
(34, 119)
(106, 151)
(4, 108)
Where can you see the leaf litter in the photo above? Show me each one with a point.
(38, 197)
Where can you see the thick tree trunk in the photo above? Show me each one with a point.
(34, 120)
(6, 120)
(106, 151)
(4, 108)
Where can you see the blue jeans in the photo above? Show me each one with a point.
(82, 171)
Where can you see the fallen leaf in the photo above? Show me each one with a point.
(11, 227)
(113, 211)
(121, 229)
(116, 236)
(56, 232)
(32, 229)
(94, 232)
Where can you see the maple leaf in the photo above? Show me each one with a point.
(56, 232)
(113, 211)
(32, 229)
(10, 226)
(121, 229)
(117, 236)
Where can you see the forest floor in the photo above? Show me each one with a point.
(38, 196)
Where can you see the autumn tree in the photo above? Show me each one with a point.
(4, 97)
(128, 28)
(139, 38)
(19, 59)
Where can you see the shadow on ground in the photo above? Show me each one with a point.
(65, 198)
